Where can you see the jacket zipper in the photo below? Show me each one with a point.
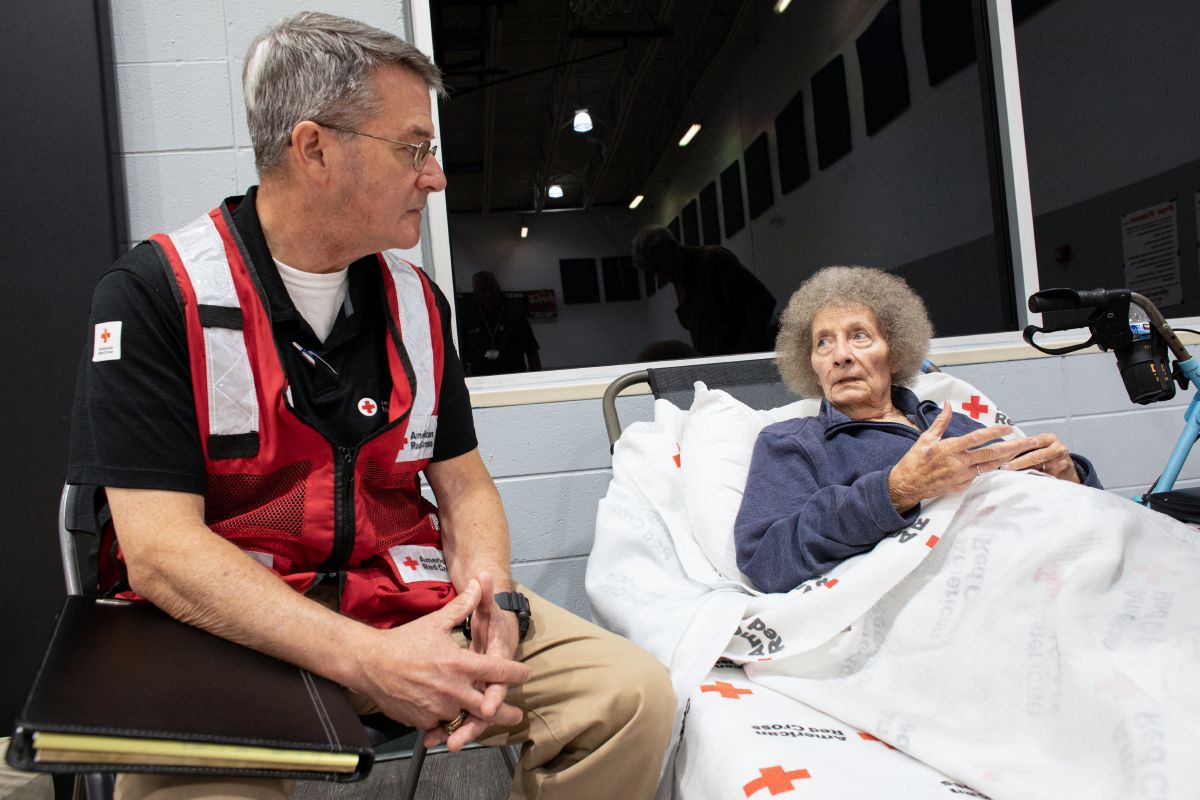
(343, 508)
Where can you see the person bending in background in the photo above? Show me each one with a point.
(496, 338)
(284, 511)
(724, 307)
(822, 489)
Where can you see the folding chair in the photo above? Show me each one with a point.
(82, 516)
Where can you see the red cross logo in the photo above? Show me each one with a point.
(105, 336)
(775, 780)
(975, 408)
(866, 737)
(726, 690)
(411, 562)
(932, 541)
(367, 407)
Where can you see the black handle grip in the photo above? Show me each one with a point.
(1067, 299)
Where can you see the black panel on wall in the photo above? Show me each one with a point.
(791, 146)
(949, 37)
(620, 279)
(64, 225)
(831, 112)
(691, 224)
(758, 176)
(579, 282)
(884, 71)
(731, 199)
(710, 215)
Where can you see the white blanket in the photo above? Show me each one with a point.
(1031, 639)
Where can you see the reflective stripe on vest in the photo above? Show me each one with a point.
(232, 395)
(414, 327)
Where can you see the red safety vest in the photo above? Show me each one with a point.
(279, 489)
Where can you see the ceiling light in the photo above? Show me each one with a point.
(691, 134)
(524, 231)
(555, 191)
(582, 122)
(637, 201)
(781, 5)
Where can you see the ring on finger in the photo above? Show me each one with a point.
(978, 471)
(456, 723)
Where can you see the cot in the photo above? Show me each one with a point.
(899, 673)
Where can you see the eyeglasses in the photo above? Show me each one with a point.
(420, 150)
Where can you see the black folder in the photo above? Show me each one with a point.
(123, 687)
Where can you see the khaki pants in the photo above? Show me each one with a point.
(598, 715)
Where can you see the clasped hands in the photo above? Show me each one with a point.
(420, 676)
(935, 466)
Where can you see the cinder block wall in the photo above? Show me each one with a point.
(179, 95)
(186, 147)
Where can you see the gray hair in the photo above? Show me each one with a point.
(317, 66)
(901, 313)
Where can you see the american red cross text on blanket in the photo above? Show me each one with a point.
(1025, 638)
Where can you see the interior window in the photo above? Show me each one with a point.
(743, 145)
(1112, 109)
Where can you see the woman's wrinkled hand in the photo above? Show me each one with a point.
(1045, 453)
(934, 467)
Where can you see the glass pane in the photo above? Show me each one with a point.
(836, 132)
(1111, 97)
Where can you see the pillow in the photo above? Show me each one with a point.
(714, 454)
(718, 439)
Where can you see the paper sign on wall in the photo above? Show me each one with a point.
(1150, 245)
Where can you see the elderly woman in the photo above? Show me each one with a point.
(824, 488)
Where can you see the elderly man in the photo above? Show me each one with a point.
(265, 386)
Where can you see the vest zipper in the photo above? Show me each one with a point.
(343, 509)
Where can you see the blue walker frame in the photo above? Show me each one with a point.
(1191, 429)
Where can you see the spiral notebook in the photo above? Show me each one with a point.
(123, 687)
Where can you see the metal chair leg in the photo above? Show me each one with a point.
(414, 769)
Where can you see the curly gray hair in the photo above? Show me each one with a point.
(901, 313)
(318, 66)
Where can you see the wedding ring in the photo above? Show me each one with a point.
(456, 723)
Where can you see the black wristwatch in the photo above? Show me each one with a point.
(515, 602)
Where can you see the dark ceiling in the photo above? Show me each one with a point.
(517, 70)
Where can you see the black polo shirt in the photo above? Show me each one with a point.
(134, 419)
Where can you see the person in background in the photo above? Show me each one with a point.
(822, 489)
(496, 338)
(263, 395)
(724, 307)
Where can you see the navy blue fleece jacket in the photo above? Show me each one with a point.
(817, 490)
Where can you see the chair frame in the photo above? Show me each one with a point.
(99, 786)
